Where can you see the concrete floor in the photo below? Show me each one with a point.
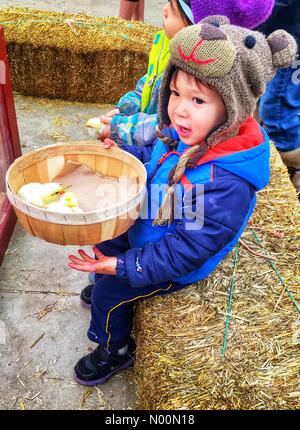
(42, 325)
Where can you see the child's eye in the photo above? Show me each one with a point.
(174, 93)
(198, 101)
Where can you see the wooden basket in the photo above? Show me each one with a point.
(42, 165)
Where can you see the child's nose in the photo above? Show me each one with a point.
(181, 108)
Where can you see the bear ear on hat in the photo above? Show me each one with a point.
(283, 47)
(215, 20)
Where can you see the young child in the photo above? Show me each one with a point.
(215, 154)
(134, 119)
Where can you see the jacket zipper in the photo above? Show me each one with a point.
(155, 75)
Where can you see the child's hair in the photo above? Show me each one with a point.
(169, 141)
(182, 14)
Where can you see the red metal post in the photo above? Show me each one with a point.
(9, 142)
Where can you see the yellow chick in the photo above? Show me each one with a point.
(69, 199)
(40, 194)
(95, 127)
(67, 203)
(50, 196)
(60, 207)
(65, 206)
(31, 193)
(51, 192)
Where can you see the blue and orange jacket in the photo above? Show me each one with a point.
(230, 173)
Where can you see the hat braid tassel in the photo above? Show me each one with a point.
(165, 214)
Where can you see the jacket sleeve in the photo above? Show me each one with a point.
(138, 129)
(130, 103)
(143, 153)
(225, 206)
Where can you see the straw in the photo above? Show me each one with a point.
(58, 55)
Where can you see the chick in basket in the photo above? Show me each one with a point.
(67, 203)
(40, 194)
(50, 196)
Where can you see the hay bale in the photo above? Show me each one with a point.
(180, 336)
(75, 57)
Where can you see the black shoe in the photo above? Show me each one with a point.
(101, 364)
(86, 295)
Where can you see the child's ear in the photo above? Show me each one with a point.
(215, 20)
(283, 47)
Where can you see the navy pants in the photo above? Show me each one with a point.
(113, 301)
(280, 108)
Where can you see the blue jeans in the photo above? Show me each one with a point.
(280, 108)
(113, 301)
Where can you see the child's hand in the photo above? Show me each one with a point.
(106, 119)
(111, 113)
(108, 143)
(105, 133)
(103, 265)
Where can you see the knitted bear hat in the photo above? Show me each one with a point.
(246, 13)
(235, 61)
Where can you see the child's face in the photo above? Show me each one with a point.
(194, 109)
(172, 19)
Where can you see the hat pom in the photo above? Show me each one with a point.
(283, 47)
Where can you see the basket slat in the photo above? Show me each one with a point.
(87, 160)
(52, 166)
(23, 220)
(101, 165)
(114, 168)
